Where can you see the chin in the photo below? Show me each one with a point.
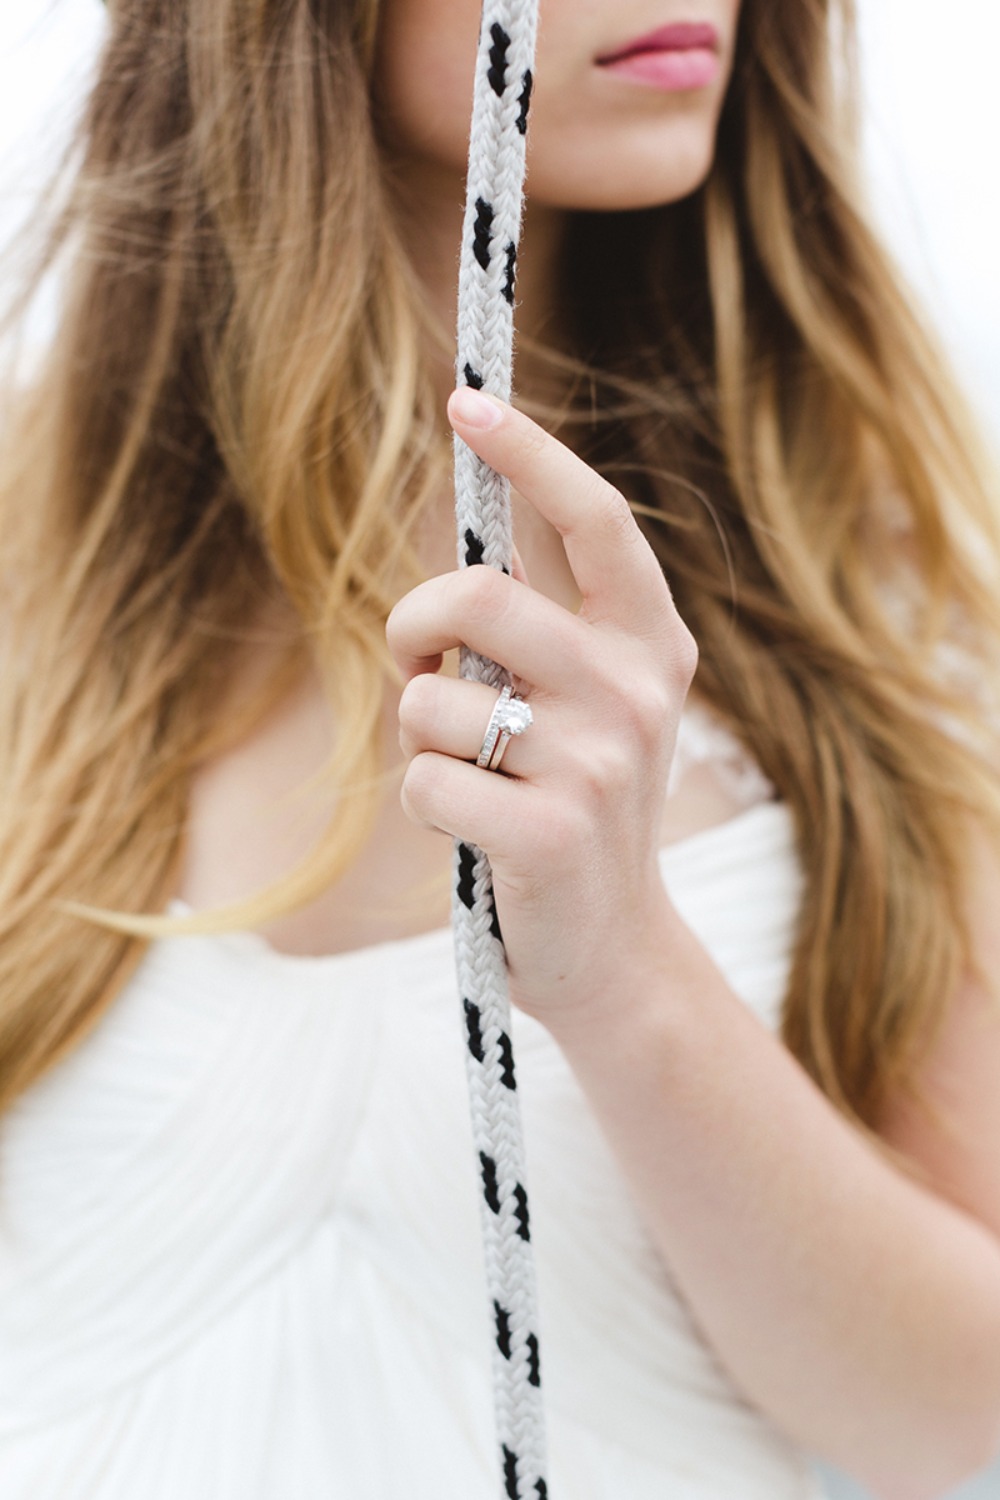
(655, 172)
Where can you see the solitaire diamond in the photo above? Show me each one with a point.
(516, 716)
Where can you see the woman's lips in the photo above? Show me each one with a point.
(678, 57)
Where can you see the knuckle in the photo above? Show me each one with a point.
(419, 781)
(639, 695)
(605, 668)
(616, 516)
(684, 656)
(532, 443)
(409, 615)
(417, 700)
(481, 594)
(646, 710)
(394, 627)
(606, 771)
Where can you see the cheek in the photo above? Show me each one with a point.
(424, 65)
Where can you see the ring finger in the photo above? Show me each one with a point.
(451, 715)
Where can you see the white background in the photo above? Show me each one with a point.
(933, 131)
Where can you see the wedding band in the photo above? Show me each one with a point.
(511, 715)
(501, 746)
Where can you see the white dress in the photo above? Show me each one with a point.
(239, 1235)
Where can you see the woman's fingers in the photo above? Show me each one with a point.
(571, 822)
(450, 715)
(478, 806)
(503, 618)
(615, 569)
(480, 607)
(485, 609)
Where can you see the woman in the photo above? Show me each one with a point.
(747, 904)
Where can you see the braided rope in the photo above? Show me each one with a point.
(493, 209)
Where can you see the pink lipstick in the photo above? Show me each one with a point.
(679, 57)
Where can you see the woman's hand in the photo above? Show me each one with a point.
(571, 822)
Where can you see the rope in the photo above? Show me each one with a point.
(493, 209)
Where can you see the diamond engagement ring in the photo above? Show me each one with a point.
(511, 715)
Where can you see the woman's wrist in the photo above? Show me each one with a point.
(636, 990)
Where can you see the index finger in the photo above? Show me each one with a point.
(615, 568)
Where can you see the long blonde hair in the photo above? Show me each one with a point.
(235, 412)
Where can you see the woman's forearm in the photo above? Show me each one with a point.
(856, 1308)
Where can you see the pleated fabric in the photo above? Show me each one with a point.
(239, 1243)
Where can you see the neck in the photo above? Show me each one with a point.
(431, 206)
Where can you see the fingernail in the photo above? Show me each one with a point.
(473, 408)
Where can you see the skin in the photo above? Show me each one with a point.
(572, 821)
(594, 141)
(778, 1219)
(781, 1224)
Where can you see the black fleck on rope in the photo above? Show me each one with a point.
(482, 231)
(498, 59)
(489, 1168)
(503, 1328)
(511, 1488)
(493, 211)
(466, 872)
(527, 82)
(473, 548)
(521, 1211)
(472, 1022)
(508, 286)
(491, 902)
(506, 1061)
